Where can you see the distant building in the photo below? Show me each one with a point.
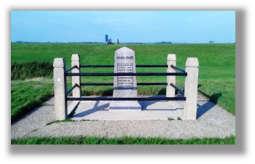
(107, 39)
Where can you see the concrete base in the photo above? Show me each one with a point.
(149, 110)
(124, 105)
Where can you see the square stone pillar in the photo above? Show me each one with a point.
(76, 79)
(190, 91)
(171, 60)
(59, 89)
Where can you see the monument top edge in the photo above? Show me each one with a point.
(124, 50)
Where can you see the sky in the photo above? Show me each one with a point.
(177, 26)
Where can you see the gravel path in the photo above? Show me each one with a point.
(215, 122)
(221, 125)
(35, 120)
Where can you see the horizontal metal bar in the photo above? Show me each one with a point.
(177, 88)
(96, 84)
(128, 74)
(178, 69)
(97, 66)
(111, 66)
(146, 98)
(151, 83)
(152, 65)
(71, 89)
(111, 84)
(70, 69)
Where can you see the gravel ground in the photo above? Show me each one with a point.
(35, 120)
(222, 125)
(215, 122)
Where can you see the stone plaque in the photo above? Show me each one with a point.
(124, 86)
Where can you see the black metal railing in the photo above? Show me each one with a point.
(110, 98)
(71, 89)
(127, 74)
(179, 72)
(138, 65)
(111, 84)
(112, 66)
(178, 89)
(178, 69)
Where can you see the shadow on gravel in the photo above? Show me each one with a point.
(213, 99)
(95, 108)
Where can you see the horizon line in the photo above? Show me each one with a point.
(162, 42)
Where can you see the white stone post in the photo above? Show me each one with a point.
(76, 79)
(190, 91)
(171, 60)
(59, 89)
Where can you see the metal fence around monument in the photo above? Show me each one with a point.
(179, 72)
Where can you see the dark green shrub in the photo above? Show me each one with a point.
(30, 70)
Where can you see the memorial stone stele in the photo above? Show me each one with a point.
(124, 86)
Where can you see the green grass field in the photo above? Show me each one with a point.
(122, 140)
(27, 94)
(216, 73)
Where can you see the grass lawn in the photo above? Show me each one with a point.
(27, 94)
(123, 140)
